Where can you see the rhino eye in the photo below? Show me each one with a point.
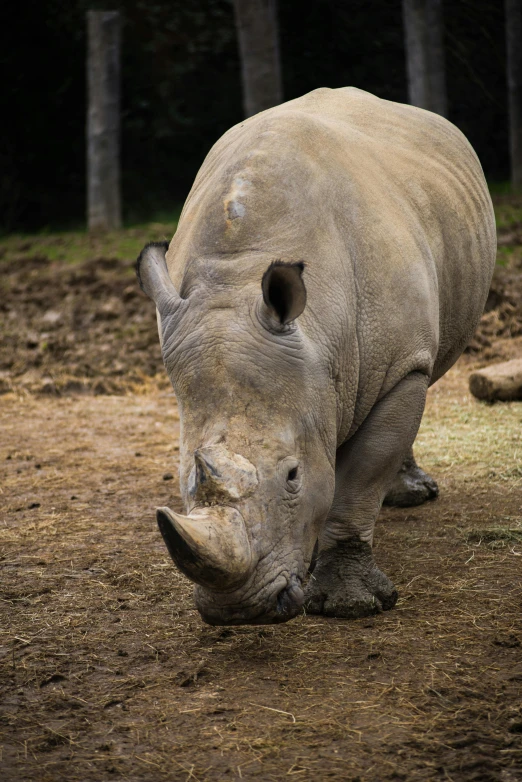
(292, 474)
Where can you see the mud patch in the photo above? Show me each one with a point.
(73, 329)
(502, 319)
(84, 327)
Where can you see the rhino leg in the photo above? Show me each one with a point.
(346, 581)
(411, 486)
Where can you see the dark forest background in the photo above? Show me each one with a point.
(181, 89)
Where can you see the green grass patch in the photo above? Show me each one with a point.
(508, 208)
(505, 255)
(76, 246)
(79, 246)
(503, 188)
(495, 537)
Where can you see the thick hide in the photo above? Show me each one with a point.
(331, 261)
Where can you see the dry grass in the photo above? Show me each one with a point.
(482, 442)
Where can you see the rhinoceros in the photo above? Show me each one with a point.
(332, 260)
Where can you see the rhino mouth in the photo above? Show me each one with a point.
(284, 601)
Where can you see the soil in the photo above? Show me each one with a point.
(502, 318)
(75, 328)
(87, 327)
(106, 670)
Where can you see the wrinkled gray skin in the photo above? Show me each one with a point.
(301, 386)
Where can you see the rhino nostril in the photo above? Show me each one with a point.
(291, 598)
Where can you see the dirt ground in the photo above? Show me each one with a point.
(106, 670)
(74, 323)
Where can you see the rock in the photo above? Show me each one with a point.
(498, 382)
(51, 317)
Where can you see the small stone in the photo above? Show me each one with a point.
(51, 317)
(168, 476)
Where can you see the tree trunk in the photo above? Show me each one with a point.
(103, 121)
(514, 79)
(498, 381)
(256, 23)
(424, 33)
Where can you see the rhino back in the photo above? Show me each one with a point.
(388, 207)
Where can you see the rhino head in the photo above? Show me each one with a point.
(256, 455)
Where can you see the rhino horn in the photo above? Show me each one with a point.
(210, 546)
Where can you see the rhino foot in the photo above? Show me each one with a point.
(347, 583)
(411, 486)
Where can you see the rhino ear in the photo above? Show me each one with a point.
(284, 291)
(153, 276)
